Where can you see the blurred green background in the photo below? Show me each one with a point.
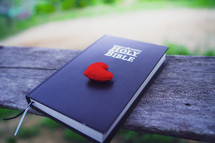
(18, 15)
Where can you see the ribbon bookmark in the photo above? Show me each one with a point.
(22, 118)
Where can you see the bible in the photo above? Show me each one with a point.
(95, 108)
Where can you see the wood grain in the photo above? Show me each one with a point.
(179, 101)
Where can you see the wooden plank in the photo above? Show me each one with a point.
(179, 102)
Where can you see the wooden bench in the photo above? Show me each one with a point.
(180, 102)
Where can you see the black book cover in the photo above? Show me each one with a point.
(98, 104)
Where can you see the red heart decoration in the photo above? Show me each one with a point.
(98, 71)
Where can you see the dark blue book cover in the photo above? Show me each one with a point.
(97, 105)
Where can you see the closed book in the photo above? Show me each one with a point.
(95, 108)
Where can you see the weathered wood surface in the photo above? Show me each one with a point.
(180, 101)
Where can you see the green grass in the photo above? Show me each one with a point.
(180, 3)
(10, 140)
(209, 52)
(6, 113)
(25, 133)
(176, 49)
(140, 137)
(154, 138)
(72, 136)
(49, 124)
(196, 3)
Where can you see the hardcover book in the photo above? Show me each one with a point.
(95, 108)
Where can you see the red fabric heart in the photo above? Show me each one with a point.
(98, 71)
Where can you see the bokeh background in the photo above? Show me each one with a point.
(186, 26)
